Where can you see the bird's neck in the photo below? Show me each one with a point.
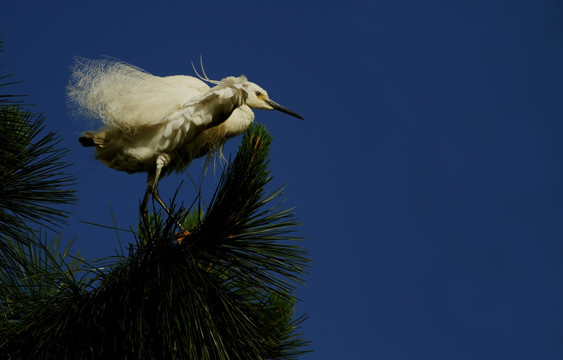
(239, 120)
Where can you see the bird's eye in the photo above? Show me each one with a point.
(258, 93)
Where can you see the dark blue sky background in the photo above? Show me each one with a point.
(428, 172)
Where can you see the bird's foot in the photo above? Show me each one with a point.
(180, 236)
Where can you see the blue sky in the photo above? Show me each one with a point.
(428, 172)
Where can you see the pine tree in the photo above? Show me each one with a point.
(223, 292)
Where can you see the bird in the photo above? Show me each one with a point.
(158, 125)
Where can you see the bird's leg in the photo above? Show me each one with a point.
(160, 162)
(159, 200)
(144, 205)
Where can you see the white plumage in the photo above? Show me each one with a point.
(153, 123)
(125, 96)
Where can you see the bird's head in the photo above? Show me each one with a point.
(258, 99)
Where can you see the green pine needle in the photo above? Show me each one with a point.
(225, 292)
(33, 181)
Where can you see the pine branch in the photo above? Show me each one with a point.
(223, 293)
(241, 238)
(32, 179)
(41, 277)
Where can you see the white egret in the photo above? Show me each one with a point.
(159, 124)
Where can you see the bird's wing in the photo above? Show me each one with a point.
(209, 109)
(127, 97)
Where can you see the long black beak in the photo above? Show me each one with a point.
(283, 109)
